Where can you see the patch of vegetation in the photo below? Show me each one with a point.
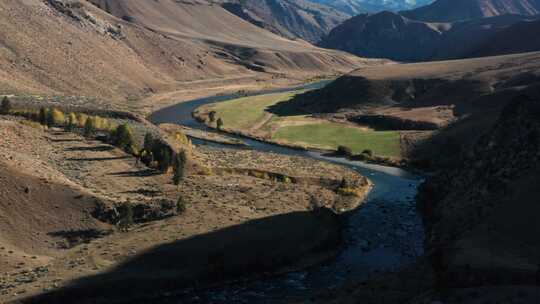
(244, 112)
(330, 135)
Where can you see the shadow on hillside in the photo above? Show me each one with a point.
(59, 140)
(294, 106)
(101, 148)
(76, 237)
(141, 173)
(248, 249)
(90, 159)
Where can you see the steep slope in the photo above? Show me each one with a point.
(455, 10)
(481, 217)
(145, 47)
(518, 38)
(394, 36)
(456, 82)
(289, 18)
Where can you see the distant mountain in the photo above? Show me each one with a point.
(518, 38)
(289, 18)
(391, 35)
(355, 7)
(455, 10)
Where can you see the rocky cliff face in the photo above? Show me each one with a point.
(481, 218)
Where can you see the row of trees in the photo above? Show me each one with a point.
(155, 153)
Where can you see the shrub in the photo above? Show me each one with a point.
(55, 117)
(181, 138)
(212, 116)
(180, 205)
(344, 183)
(123, 138)
(219, 123)
(89, 127)
(368, 152)
(179, 165)
(6, 106)
(126, 217)
(345, 151)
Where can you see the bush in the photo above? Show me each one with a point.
(123, 138)
(55, 117)
(180, 205)
(126, 217)
(345, 151)
(6, 106)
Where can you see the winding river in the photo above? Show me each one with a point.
(384, 234)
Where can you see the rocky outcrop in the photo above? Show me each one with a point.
(481, 218)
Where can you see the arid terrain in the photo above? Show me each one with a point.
(129, 51)
(231, 151)
(55, 220)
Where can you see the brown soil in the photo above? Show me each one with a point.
(69, 244)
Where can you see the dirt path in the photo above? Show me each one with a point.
(267, 117)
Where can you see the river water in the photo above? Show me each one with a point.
(384, 234)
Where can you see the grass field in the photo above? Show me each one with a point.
(245, 112)
(330, 135)
(249, 114)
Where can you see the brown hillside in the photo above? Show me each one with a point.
(75, 48)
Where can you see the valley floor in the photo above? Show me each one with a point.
(254, 117)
